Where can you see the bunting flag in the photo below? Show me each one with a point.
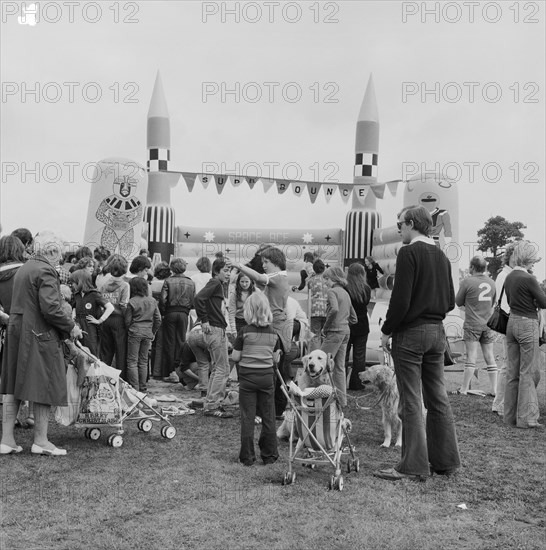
(378, 190)
(313, 190)
(361, 192)
(267, 183)
(251, 181)
(205, 179)
(392, 186)
(297, 187)
(282, 186)
(345, 190)
(220, 182)
(329, 191)
(189, 178)
(236, 180)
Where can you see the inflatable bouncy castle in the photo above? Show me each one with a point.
(130, 208)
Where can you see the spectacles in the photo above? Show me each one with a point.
(399, 224)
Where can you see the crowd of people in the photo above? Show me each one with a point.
(168, 326)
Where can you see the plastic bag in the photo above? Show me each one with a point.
(67, 415)
(100, 397)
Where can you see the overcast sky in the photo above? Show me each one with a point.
(323, 52)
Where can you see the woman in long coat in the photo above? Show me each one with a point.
(32, 365)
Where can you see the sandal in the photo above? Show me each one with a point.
(257, 420)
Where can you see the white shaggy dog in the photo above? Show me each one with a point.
(383, 378)
(313, 374)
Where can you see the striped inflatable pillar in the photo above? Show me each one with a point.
(359, 228)
(161, 232)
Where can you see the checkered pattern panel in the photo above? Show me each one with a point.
(366, 165)
(158, 160)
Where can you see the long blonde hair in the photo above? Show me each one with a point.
(256, 310)
(525, 254)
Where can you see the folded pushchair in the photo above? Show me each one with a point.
(106, 400)
(321, 428)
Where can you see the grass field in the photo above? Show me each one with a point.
(191, 492)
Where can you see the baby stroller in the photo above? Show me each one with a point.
(107, 400)
(321, 427)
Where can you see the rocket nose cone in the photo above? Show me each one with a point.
(158, 105)
(368, 109)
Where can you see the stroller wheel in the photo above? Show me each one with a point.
(338, 483)
(357, 465)
(94, 434)
(350, 465)
(115, 440)
(86, 433)
(145, 425)
(331, 483)
(168, 432)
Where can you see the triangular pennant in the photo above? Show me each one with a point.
(205, 179)
(345, 190)
(236, 180)
(329, 191)
(253, 181)
(220, 182)
(189, 178)
(282, 186)
(378, 190)
(360, 192)
(313, 189)
(393, 186)
(267, 183)
(297, 188)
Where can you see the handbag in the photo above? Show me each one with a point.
(499, 320)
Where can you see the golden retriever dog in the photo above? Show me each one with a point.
(382, 377)
(313, 374)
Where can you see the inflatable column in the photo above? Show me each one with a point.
(363, 218)
(159, 215)
(116, 202)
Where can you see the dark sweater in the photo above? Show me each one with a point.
(523, 294)
(423, 288)
(208, 304)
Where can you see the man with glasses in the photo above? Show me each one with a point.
(422, 295)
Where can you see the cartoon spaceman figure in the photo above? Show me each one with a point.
(120, 212)
(440, 217)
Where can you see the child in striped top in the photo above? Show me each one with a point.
(255, 350)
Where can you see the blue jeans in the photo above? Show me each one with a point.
(137, 361)
(197, 344)
(522, 372)
(217, 346)
(336, 344)
(418, 355)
